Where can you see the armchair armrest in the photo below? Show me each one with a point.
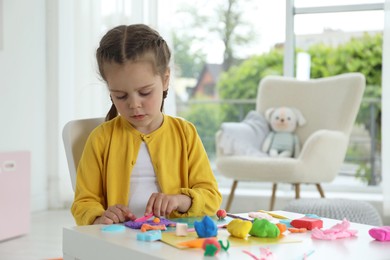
(324, 151)
(218, 150)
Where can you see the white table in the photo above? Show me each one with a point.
(89, 242)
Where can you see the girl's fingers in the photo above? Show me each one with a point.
(150, 205)
(172, 205)
(121, 213)
(157, 206)
(117, 214)
(111, 215)
(106, 221)
(161, 204)
(164, 206)
(125, 212)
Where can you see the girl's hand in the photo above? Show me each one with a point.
(115, 214)
(161, 204)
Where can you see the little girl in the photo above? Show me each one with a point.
(141, 161)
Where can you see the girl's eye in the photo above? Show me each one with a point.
(121, 97)
(144, 93)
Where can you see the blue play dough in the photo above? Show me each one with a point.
(113, 228)
(151, 235)
(312, 216)
(206, 227)
(287, 222)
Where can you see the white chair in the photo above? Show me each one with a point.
(330, 106)
(74, 136)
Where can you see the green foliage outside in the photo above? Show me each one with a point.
(240, 82)
(207, 121)
(188, 63)
(358, 55)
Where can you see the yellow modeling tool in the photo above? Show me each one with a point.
(273, 214)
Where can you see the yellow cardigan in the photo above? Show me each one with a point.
(178, 157)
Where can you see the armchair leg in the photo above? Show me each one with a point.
(297, 190)
(320, 190)
(231, 195)
(272, 203)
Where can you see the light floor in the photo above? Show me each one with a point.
(44, 241)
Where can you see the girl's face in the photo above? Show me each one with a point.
(137, 93)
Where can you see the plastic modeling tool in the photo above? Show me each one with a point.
(238, 217)
(144, 218)
(273, 214)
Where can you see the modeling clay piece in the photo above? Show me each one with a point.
(297, 230)
(380, 233)
(181, 229)
(239, 228)
(308, 223)
(138, 225)
(282, 227)
(221, 214)
(264, 228)
(206, 227)
(195, 243)
(210, 250)
(113, 228)
(145, 227)
(260, 215)
(337, 231)
(149, 236)
(312, 216)
(156, 220)
(225, 248)
(286, 222)
(265, 254)
(211, 247)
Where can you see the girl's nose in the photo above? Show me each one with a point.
(134, 102)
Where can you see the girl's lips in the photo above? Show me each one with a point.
(138, 117)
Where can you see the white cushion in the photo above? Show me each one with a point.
(244, 138)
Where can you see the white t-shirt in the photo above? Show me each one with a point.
(143, 182)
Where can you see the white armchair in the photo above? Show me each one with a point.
(330, 106)
(74, 136)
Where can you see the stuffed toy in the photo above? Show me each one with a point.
(282, 141)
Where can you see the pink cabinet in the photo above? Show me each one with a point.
(14, 194)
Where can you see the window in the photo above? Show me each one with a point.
(314, 23)
(319, 23)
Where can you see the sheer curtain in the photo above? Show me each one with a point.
(386, 112)
(77, 91)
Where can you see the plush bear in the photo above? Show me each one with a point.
(282, 141)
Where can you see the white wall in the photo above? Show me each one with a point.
(23, 89)
(48, 76)
(81, 93)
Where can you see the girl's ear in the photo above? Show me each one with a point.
(166, 78)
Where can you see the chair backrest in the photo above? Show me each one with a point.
(74, 136)
(327, 103)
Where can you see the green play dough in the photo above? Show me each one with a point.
(264, 228)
